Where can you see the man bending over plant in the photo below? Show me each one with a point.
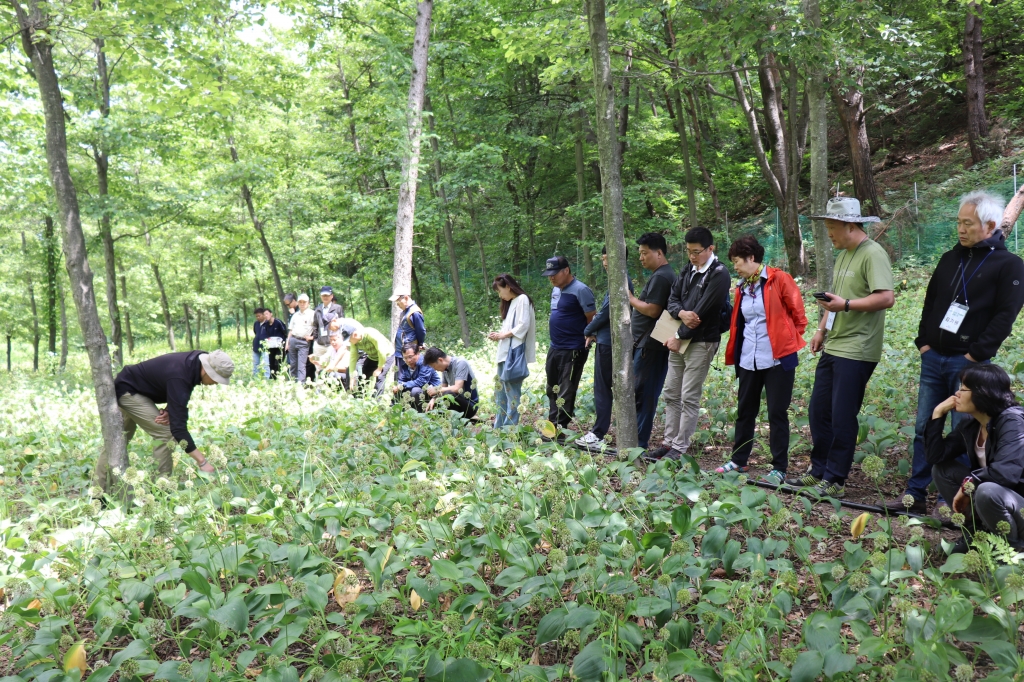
(457, 379)
(165, 379)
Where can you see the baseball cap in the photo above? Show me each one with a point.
(398, 294)
(555, 265)
(218, 365)
(326, 290)
(303, 296)
(349, 328)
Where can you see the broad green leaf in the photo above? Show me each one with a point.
(551, 627)
(807, 667)
(234, 615)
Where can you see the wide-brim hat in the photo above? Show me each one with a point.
(847, 210)
(218, 365)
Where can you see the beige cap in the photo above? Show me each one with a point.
(218, 365)
(398, 294)
(303, 297)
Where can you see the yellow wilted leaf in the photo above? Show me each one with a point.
(264, 444)
(857, 527)
(281, 472)
(387, 555)
(53, 542)
(547, 429)
(415, 600)
(34, 604)
(383, 423)
(74, 659)
(343, 592)
(53, 487)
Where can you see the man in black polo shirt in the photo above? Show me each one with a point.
(650, 356)
(166, 379)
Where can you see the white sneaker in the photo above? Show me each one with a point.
(589, 440)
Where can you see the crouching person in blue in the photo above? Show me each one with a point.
(989, 492)
(458, 383)
(414, 376)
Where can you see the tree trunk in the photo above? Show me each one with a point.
(615, 242)
(974, 70)
(680, 121)
(216, 320)
(127, 315)
(781, 168)
(63, 327)
(361, 181)
(50, 261)
(8, 353)
(850, 105)
(102, 160)
(188, 328)
(33, 24)
(245, 320)
(258, 226)
(588, 263)
(402, 273)
(238, 327)
(818, 127)
(165, 307)
(32, 305)
(366, 296)
(699, 148)
(479, 242)
(449, 237)
(1012, 211)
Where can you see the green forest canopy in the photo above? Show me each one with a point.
(303, 104)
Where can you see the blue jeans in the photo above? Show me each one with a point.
(650, 365)
(260, 360)
(940, 378)
(836, 399)
(506, 396)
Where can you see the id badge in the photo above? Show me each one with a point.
(954, 317)
(830, 320)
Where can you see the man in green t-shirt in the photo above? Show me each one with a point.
(850, 334)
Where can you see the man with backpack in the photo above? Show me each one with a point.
(699, 300)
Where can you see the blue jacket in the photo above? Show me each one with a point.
(410, 328)
(259, 334)
(417, 377)
(601, 325)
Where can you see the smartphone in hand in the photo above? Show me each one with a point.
(821, 296)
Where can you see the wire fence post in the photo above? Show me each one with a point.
(1015, 247)
(916, 216)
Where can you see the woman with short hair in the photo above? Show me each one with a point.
(992, 487)
(768, 322)
(518, 328)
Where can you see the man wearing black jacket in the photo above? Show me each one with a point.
(166, 379)
(696, 300)
(972, 301)
(259, 353)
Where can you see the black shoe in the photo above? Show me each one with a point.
(961, 547)
(898, 507)
(803, 481)
(655, 455)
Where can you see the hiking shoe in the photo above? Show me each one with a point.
(656, 454)
(828, 489)
(589, 440)
(804, 481)
(898, 506)
(773, 477)
(731, 466)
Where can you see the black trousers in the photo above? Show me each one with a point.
(564, 369)
(370, 366)
(602, 389)
(778, 386)
(990, 503)
(275, 361)
(838, 394)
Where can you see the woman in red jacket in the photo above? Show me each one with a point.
(768, 323)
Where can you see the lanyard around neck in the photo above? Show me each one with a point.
(846, 253)
(964, 279)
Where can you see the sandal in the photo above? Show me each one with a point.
(731, 466)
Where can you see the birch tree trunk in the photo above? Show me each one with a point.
(615, 242)
(402, 274)
(974, 70)
(33, 23)
(818, 142)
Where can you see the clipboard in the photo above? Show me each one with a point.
(666, 328)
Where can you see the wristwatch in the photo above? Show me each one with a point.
(847, 305)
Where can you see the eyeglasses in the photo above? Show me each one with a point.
(694, 254)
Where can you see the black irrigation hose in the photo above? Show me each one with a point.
(849, 505)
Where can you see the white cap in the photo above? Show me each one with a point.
(303, 297)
